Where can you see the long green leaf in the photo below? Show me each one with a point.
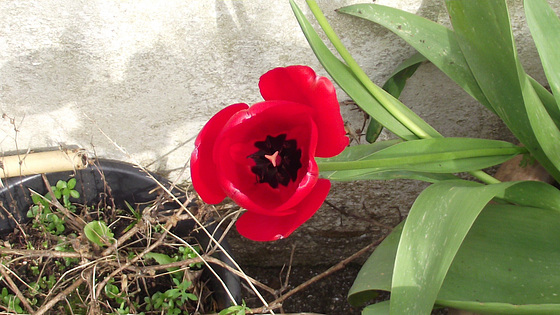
(544, 26)
(383, 174)
(483, 31)
(437, 223)
(434, 41)
(545, 130)
(548, 101)
(438, 155)
(433, 232)
(342, 75)
(515, 273)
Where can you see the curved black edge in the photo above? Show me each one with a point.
(119, 180)
(122, 182)
(231, 280)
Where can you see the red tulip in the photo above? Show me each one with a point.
(263, 156)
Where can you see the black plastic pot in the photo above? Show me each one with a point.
(119, 182)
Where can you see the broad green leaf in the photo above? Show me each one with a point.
(434, 41)
(61, 184)
(377, 309)
(544, 26)
(71, 183)
(483, 31)
(99, 233)
(438, 222)
(438, 155)
(532, 194)
(519, 266)
(515, 273)
(342, 75)
(74, 194)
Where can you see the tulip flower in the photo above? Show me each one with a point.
(263, 156)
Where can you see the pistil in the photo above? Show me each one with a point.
(277, 161)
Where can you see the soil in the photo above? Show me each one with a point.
(327, 296)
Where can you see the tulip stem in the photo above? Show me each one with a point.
(373, 89)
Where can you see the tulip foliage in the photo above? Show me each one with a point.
(488, 247)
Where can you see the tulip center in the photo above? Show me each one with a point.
(277, 161)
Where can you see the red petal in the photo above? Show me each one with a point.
(262, 228)
(300, 84)
(203, 169)
(236, 144)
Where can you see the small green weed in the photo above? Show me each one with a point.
(42, 213)
(236, 309)
(10, 301)
(49, 232)
(171, 300)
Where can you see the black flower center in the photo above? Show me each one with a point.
(277, 160)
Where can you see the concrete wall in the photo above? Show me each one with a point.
(146, 76)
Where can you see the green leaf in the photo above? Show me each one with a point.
(377, 309)
(548, 101)
(99, 233)
(71, 183)
(485, 276)
(544, 128)
(435, 228)
(394, 86)
(375, 174)
(373, 130)
(57, 193)
(74, 194)
(161, 259)
(438, 155)
(434, 41)
(36, 199)
(376, 274)
(483, 31)
(61, 184)
(356, 152)
(397, 81)
(544, 25)
(344, 77)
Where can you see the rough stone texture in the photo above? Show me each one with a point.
(147, 75)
